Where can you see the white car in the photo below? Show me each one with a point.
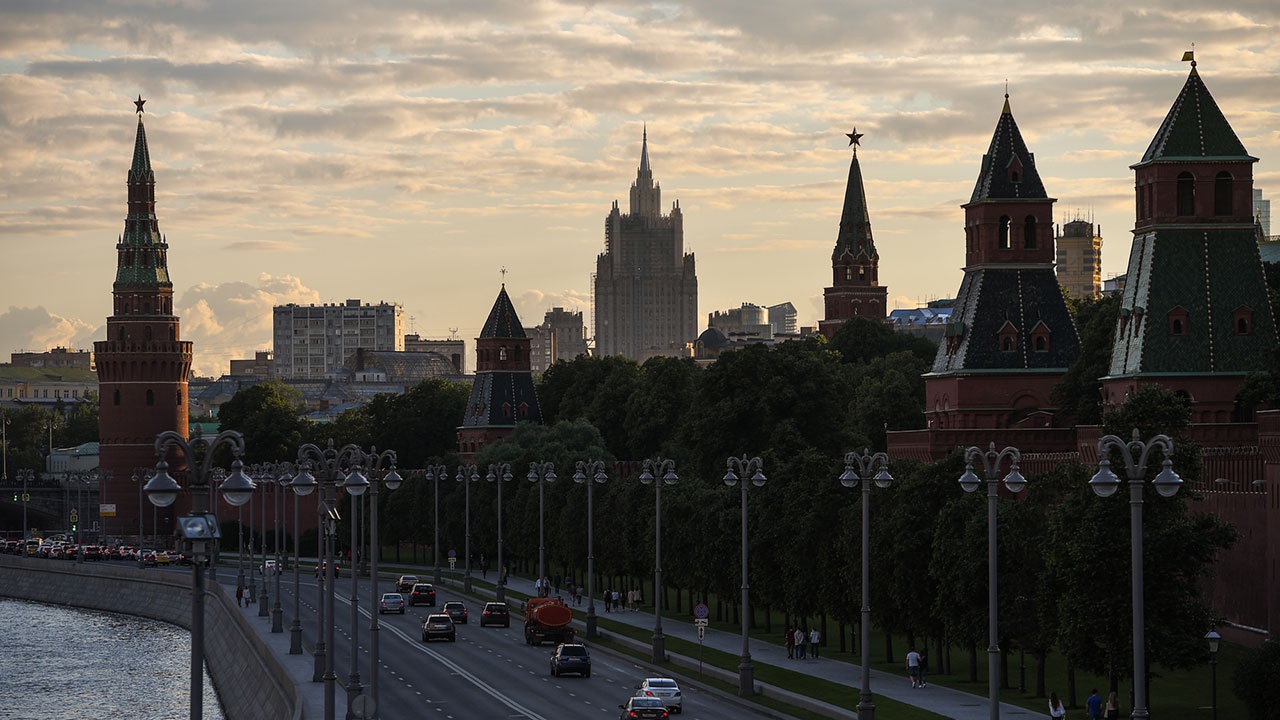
(270, 567)
(665, 689)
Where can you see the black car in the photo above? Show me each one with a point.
(439, 626)
(456, 611)
(495, 613)
(571, 658)
(424, 593)
(643, 707)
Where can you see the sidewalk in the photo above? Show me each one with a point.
(944, 701)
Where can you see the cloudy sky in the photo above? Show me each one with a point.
(408, 151)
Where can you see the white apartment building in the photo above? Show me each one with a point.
(311, 341)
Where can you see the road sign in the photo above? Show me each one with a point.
(75, 515)
(700, 622)
(702, 632)
(107, 509)
(453, 562)
(453, 553)
(701, 610)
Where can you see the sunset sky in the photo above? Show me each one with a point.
(312, 151)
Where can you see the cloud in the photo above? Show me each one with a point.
(35, 329)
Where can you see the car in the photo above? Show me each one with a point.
(665, 689)
(643, 707)
(406, 583)
(495, 613)
(93, 552)
(321, 569)
(571, 658)
(456, 611)
(391, 602)
(147, 558)
(424, 593)
(269, 567)
(439, 625)
(164, 557)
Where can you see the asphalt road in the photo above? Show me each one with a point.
(488, 673)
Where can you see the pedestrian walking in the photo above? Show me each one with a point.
(924, 665)
(800, 643)
(1112, 709)
(1056, 710)
(240, 596)
(814, 637)
(1093, 705)
(913, 666)
(608, 600)
(791, 643)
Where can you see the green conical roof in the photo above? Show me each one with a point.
(141, 250)
(1195, 128)
(1008, 168)
(503, 321)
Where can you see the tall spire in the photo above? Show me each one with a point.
(646, 195)
(855, 222)
(644, 150)
(142, 251)
(1008, 168)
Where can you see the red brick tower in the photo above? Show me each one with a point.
(855, 265)
(143, 365)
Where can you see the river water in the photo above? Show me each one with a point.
(63, 663)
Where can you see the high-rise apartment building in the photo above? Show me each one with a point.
(1262, 212)
(645, 288)
(313, 340)
(1080, 259)
(561, 336)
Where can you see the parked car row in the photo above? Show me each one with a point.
(62, 548)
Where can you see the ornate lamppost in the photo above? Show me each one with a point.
(283, 479)
(752, 469)
(1135, 454)
(467, 474)
(589, 473)
(542, 473)
(500, 473)
(1213, 638)
(970, 482)
(660, 472)
(26, 475)
(199, 528)
(862, 468)
(382, 469)
(330, 462)
(295, 627)
(356, 484)
(436, 473)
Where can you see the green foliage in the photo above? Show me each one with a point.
(1077, 395)
(269, 417)
(1257, 681)
(860, 340)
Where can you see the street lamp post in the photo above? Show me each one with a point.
(590, 472)
(199, 528)
(26, 475)
(542, 473)
(1105, 484)
(862, 468)
(140, 476)
(1213, 638)
(660, 472)
(295, 627)
(991, 461)
(330, 462)
(467, 474)
(753, 470)
(500, 473)
(264, 598)
(436, 473)
(356, 484)
(283, 478)
(382, 469)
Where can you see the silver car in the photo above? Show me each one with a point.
(665, 689)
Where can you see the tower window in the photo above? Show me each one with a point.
(1222, 189)
(1243, 320)
(115, 396)
(1186, 194)
(1004, 232)
(151, 397)
(1029, 232)
(1179, 321)
(502, 353)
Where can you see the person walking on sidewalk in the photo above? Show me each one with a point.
(1094, 705)
(608, 600)
(1056, 710)
(791, 643)
(913, 666)
(924, 665)
(814, 638)
(239, 596)
(800, 643)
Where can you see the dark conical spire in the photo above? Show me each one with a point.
(1195, 128)
(855, 222)
(503, 321)
(644, 150)
(1008, 168)
(142, 251)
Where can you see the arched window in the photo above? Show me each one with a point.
(1186, 194)
(115, 396)
(151, 397)
(1222, 189)
(1004, 233)
(1029, 232)
(502, 353)
(1042, 344)
(146, 333)
(848, 273)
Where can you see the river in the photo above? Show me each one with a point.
(65, 663)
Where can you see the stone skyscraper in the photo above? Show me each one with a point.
(645, 287)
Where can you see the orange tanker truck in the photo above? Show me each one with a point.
(547, 619)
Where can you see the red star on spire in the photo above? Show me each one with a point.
(139, 102)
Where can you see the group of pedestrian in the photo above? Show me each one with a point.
(798, 639)
(618, 600)
(543, 586)
(917, 665)
(1095, 708)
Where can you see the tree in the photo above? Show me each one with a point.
(1256, 681)
(1078, 394)
(268, 416)
(861, 340)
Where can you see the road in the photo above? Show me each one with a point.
(488, 673)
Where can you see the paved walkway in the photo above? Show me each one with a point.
(944, 701)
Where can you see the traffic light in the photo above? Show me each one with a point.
(73, 527)
(15, 497)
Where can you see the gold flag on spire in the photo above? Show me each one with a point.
(1189, 56)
